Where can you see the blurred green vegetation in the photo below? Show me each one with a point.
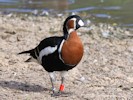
(122, 15)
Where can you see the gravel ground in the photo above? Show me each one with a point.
(105, 72)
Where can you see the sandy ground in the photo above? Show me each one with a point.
(105, 72)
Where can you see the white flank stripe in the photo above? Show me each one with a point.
(46, 51)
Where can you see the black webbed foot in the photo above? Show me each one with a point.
(61, 93)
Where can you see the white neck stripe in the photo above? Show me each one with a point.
(60, 48)
(71, 30)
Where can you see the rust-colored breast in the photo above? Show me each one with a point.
(72, 50)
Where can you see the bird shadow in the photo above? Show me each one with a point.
(22, 86)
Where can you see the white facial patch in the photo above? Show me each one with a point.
(81, 23)
(46, 51)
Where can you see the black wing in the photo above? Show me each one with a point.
(51, 41)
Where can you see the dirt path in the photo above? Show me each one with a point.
(105, 72)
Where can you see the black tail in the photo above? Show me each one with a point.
(23, 52)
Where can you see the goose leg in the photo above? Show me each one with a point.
(61, 89)
(52, 79)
